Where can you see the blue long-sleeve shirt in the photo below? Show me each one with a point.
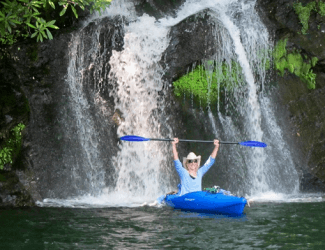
(188, 183)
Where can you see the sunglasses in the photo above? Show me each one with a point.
(190, 161)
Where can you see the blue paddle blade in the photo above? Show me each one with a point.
(253, 144)
(133, 138)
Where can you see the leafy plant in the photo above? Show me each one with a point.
(28, 18)
(42, 27)
(94, 5)
(12, 145)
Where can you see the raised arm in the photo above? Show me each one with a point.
(175, 153)
(216, 148)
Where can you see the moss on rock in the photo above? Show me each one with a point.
(295, 63)
(203, 84)
(303, 13)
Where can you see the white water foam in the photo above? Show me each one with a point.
(140, 166)
(273, 197)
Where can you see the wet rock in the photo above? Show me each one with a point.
(51, 145)
(158, 8)
(13, 192)
(192, 40)
(305, 107)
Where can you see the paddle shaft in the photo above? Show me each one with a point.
(184, 140)
(245, 143)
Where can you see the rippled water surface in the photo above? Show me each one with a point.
(264, 225)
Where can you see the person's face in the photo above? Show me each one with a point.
(192, 165)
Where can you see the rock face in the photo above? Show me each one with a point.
(40, 70)
(14, 109)
(37, 73)
(157, 8)
(13, 193)
(305, 107)
(191, 41)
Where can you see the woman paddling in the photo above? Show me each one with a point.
(191, 175)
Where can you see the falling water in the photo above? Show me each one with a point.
(251, 45)
(141, 167)
(85, 124)
(253, 111)
(243, 38)
(143, 170)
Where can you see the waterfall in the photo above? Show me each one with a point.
(143, 171)
(87, 135)
(249, 41)
(245, 40)
(141, 167)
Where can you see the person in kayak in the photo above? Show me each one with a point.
(191, 174)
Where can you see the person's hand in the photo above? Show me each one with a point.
(216, 143)
(175, 141)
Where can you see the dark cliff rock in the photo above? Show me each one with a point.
(13, 193)
(192, 40)
(305, 107)
(14, 109)
(39, 71)
(158, 8)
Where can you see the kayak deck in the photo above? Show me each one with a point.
(206, 202)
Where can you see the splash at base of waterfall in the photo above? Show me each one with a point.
(106, 199)
(114, 199)
(142, 172)
(273, 197)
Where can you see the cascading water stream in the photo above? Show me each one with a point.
(139, 77)
(251, 45)
(253, 113)
(243, 38)
(87, 135)
(143, 170)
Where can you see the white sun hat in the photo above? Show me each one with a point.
(191, 156)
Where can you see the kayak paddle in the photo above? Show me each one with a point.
(244, 143)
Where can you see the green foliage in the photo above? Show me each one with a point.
(314, 60)
(195, 82)
(42, 27)
(304, 14)
(28, 18)
(280, 49)
(203, 85)
(295, 64)
(321, 8)
(310, 78)
(12, 145)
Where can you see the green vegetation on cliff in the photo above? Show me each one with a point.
(203, 85)
(12, 146)
(20, 19)
(294, 63)
(303, 12)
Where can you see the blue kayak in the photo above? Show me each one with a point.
(207, 202)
